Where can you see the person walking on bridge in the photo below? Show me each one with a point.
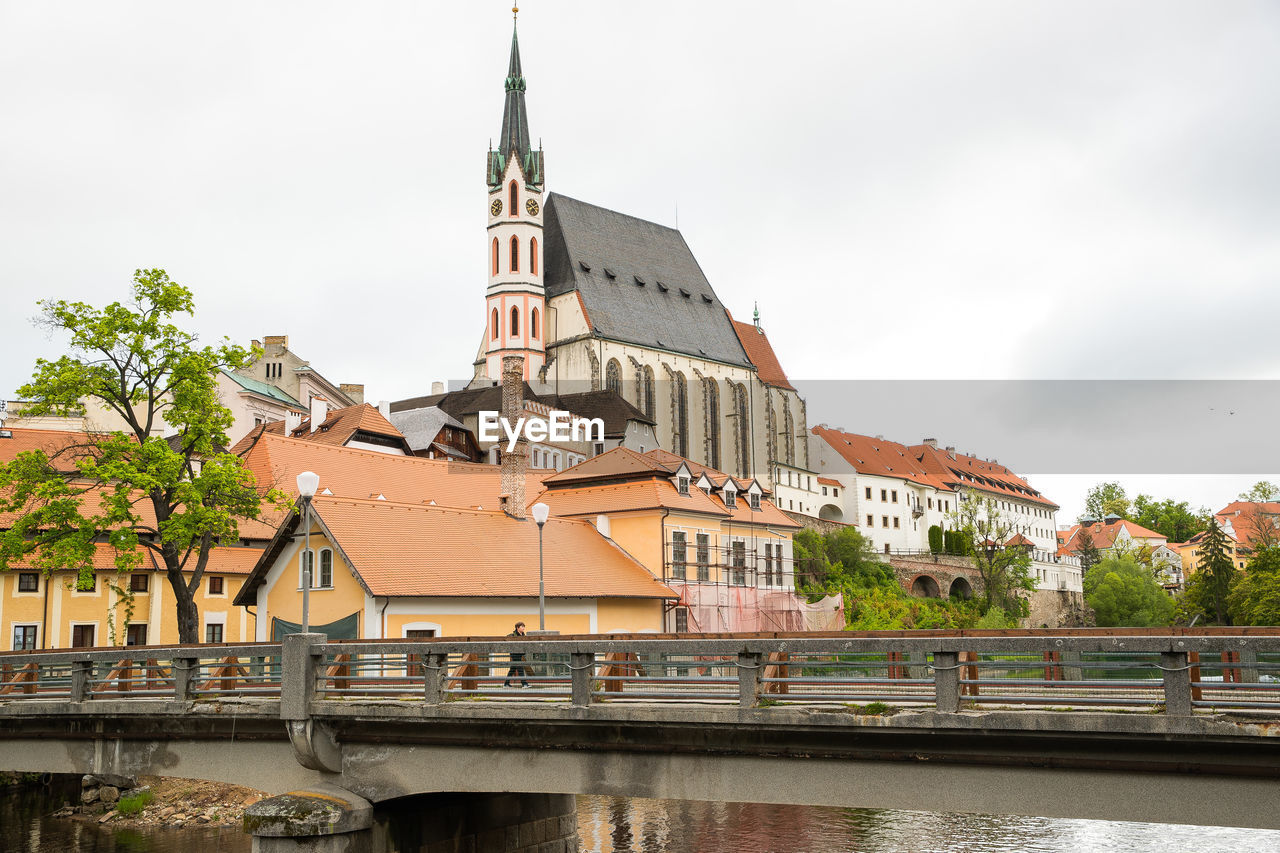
(516, 659)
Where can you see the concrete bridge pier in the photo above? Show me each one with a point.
(320, 819)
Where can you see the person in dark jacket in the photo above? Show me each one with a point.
(517, 657)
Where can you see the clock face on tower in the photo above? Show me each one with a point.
(532, 207)
(496, 207)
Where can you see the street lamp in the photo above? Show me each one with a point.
(307, 485)
(540, 513)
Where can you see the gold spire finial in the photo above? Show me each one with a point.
(515, 10)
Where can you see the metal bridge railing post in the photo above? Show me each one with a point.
(184, 673)
(946, 681)
(582, 672)
(435, 669)
(1177, 683)
(80, 671)
(749, 673)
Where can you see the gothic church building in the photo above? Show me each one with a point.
(595, 299)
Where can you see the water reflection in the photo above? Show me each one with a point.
(613, 825)
(25, 827)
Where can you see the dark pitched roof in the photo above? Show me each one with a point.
(585, 244)
(606, 405)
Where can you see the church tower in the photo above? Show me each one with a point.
(515, 309)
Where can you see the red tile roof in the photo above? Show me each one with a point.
(1104, 534)
(827, 481)
(339, 427)
(761, 354)
(402, 549)
(356, 473)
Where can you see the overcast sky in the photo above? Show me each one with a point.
(909, 190)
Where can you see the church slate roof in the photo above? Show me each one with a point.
(638, 281)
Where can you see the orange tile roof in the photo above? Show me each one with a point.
(827, 481)
(231, 560)
(340, 426)
(402, 549)
(622, 480)
(959, 470)
(357, 473)
(877, 457)
(761, 354)
(91, 503)
(618, 463)
(1104, 534)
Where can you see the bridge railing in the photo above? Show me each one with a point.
(1177, 673)
(141, 672)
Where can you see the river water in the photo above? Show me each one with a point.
(614, 825)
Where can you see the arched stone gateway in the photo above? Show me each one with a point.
(960, 589)
(830, 512)
(924, 587)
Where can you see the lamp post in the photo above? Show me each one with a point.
(540, 513)
(307, 484)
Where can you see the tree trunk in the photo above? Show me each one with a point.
(188, 612)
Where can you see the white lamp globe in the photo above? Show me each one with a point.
(308, 483)
(540, 512)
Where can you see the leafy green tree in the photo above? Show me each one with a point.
(1087, 551)
(1215, 564)
(1255, 596)
(177, 497)
(1124, 593)
(1005, 571)
(1106, 499)
(1173, 519)
(1261, 492)
(935, 539)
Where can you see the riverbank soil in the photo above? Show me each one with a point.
(162, 801)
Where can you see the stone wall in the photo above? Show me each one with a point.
(1057, 608)
(818, 525)
(943, 569)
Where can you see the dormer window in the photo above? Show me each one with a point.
(682, 485)
(730, 498)
(755, 501)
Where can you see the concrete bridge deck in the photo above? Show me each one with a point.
(1181, 728)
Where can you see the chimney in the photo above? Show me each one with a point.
(278, 342)
(319, 411)
(602, 525)
(931, 442)
(292, 420)
(355, 392)
(437, 388)
(514, 463)
(384, 408)
(255, 344)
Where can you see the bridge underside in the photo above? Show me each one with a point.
(1207, 771)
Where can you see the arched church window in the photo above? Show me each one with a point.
(493, 334)
(744, 431)
(515, 254)
(533, 256)
(513, 197)
(533, 323)
(496, 269)
(515, 322)
(712, 391)
(789, 438)
(681, 425)
(649, 407)
(613, 376)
